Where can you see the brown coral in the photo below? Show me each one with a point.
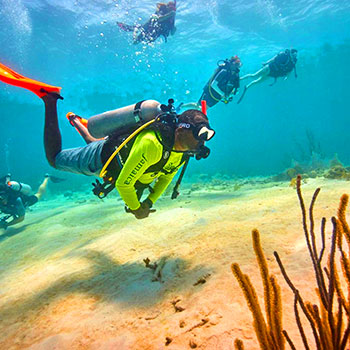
(269, 333)
(329, 327)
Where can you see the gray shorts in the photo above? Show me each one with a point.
(82, 160)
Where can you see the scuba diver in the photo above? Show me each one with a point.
(129, 147)
(161, 23)
(279, 66)
(222, 85)
(15, 197)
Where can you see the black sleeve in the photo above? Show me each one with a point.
(30, 200)
(20, 209)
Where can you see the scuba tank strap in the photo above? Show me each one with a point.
(137, 111)
(175, 194)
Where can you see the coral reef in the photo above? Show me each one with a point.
(329, 327)
(338, 172)
(317, 167)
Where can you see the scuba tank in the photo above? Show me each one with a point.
(20, 187)
(122, 119)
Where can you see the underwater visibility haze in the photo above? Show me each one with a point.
(298, 125)
(77, 45)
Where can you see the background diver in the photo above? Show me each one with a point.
(279, 66)
(222, 85)
(161, 23)
(156, 153)
(15, 197)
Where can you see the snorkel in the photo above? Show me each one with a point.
(204, 107)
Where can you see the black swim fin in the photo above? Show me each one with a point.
(55, 179)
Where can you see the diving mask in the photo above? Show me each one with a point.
(201, 132)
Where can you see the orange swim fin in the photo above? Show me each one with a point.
(11, 77)
(71, 116)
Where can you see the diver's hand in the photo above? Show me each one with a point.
(226, 100)
(143, 211)
(3, 224)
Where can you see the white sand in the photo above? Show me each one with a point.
(73, 277)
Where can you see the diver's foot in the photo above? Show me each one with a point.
(72, 117)
(54, 95)
(243, 93)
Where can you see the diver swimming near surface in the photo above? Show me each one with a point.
(159, 143)
(161, 23)
(279, 66)
(16, 197)
(222, 86)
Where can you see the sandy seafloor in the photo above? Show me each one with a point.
(73, 276)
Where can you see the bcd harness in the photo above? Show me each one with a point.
(115, 165)
(230, 75)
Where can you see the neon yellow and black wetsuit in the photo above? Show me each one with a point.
(146, 151)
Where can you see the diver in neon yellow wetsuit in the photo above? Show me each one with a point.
(146, 151)
(155, 154)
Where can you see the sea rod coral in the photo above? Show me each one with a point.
(330, 319)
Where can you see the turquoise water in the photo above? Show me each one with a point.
(77, 45)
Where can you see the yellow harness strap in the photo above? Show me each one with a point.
(211, 94)
(104, 169)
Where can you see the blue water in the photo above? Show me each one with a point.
(77, 45)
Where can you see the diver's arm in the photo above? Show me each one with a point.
(215, 85)
(145, 152)
(295, 72)
(160, 186)
(15, 220)
(19, 214)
